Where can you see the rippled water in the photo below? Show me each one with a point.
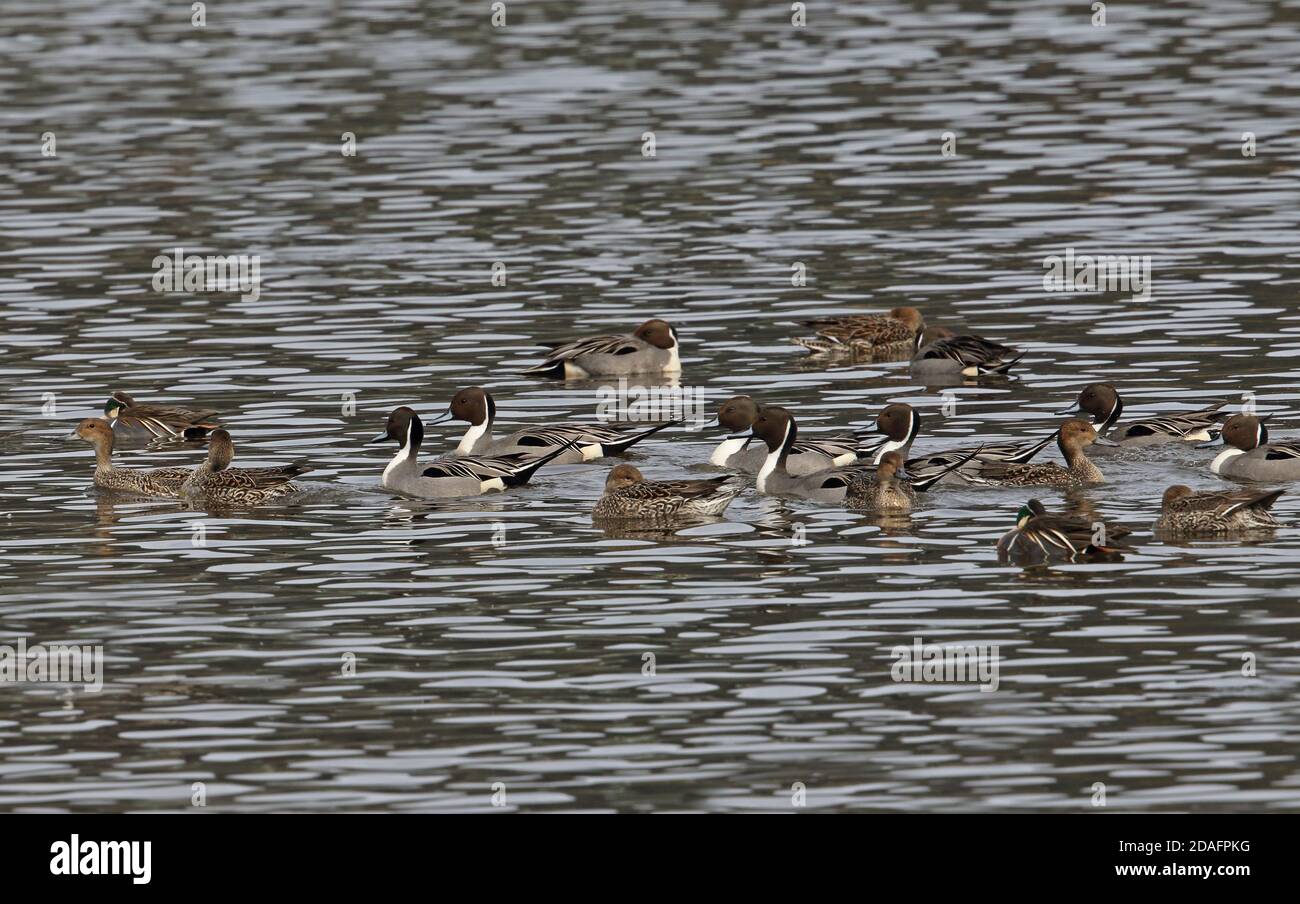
(521, 662)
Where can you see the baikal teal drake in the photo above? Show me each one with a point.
(215, 481)
(133, 420)
(1043, 536)
(1183, 511)
(629, 496)
(163, 483)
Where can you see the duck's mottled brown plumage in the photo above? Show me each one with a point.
(628, 495)
(883, 491)
(215, 481)
(161, 482)
(1185, 511)
(1079, 471)
(878, 335)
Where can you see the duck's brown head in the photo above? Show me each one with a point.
(911, 317)
(899, 422)
(474, 405)
(658, 333)
(1075, 434)
(221, 450)
(775, 427)
(1098, 399)
(96, 431)
(622, 476)
(1173, 494)
(738, 413)
(404, 428)
(1245, 431)
(891, 465)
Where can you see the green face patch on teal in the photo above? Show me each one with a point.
(112, 407)
(1025, 514)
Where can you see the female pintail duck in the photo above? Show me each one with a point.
(1071, 439)
(777, 429)
(806, 457)
(956, 466)
(887, 490)
(447, 478)
(962, 356)
(896, 428)
(1183, 511)
(215, 481)
(162, 482)
(1250, 455)
(1040, 535)
(1102, 401)
(870, 334)
(149, 421)
(629, 495)
(651, 349)
(593, 441)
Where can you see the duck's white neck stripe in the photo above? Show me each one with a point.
(402, 455)
(1223, 458)
(891, 445)
(726, 449)
(472, 436)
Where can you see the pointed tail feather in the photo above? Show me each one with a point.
(930, 480)
(1021, 458)
(619, 446)
(523, 475)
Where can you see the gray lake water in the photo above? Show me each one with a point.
(521, 661)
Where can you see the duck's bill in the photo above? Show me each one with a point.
(72, 435)
(903, 473)
(383, 437)
(1102, 441)
(1214, 441)
(1073, 409)
(445, 416)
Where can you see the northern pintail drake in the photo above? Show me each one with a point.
(1079, 471)
(628, 495)
(164, 483)
(133, 420)
(1103, 402)
(1040, 536)
(777, 429)
(215, 481)
(651, 349)
(887, 490)
(807, 456)
(962, 356)
(1184, 511)
(956, 466)
(896, 428)
(1249, 454)
(448, 478)
(882, 335)
(476, 406)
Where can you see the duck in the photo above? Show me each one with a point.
(628, 495)
(652, 348)
(476, 406)
(871, 334)
(1185, 511)
(1250, 455)
(1103, 402)
(946, 463)
(451, 477)
(1072, 437)
(133, 420)
(964, 356)
(163, 483)
(887, 490)
(1040, 535)
(807, 456)
(215, 481)
(777, 429)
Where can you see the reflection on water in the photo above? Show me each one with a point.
(506, 639)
